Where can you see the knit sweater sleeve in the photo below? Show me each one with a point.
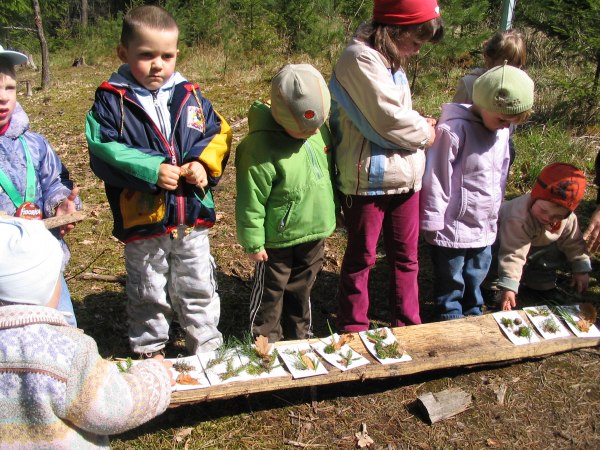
(104, 401)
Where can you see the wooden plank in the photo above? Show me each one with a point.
(464, 342)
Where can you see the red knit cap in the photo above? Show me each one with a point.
(560, 183)
(405, 12)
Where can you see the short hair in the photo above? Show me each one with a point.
(506, 46)
(7, 66)
(384, 38)
(150, 16)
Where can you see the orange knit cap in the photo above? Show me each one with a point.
(560, 183)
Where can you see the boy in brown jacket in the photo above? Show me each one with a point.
(539, 233)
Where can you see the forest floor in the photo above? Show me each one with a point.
(550, 403)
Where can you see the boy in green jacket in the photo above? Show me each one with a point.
(285, 201)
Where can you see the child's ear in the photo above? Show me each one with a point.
(122, 52)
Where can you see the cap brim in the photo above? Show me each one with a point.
(14, 58)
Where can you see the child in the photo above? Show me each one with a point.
(539, 233)
(285, 202)
(380, 144)
(33, 181)
(159, 147)
(55, 389)
(504, 46)
(464, 184)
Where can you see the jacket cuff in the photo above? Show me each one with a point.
(506, 283)
(581, 266)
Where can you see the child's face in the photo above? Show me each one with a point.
(494, 121)
(8, 94)
(305, 135)
(548, 213)
(409, 46)
(151, 55)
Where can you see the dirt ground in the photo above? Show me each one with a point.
(551, 403)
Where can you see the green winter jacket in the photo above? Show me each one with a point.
(284, 190)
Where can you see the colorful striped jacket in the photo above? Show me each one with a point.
(127, 148)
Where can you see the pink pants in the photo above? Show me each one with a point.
(366, 216)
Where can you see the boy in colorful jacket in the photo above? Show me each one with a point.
(285, 202)
(539, 234)
(159, 147)
(55, 390)
(33, 181)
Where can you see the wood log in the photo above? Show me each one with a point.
(444, 404)
(469, 342)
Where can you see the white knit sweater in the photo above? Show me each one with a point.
(56, 392)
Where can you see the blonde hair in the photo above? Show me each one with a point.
(505, 46)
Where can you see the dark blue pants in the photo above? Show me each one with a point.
(458, 274)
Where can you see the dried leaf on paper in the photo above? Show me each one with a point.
(262, 346)
(186, 378)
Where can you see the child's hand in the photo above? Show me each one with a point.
(167, 365)
(580, 282)
(508, 301)
(259, 256)
(431, 140)
(168, 176)
(67, 207)
(195, 173)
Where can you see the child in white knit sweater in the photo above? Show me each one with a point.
(55, 389)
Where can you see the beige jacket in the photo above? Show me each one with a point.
(519, 231)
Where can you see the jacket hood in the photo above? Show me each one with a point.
(260, 119)
(19, 123)
(124, 79)
(453, 111)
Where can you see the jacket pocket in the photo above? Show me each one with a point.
(286, 218)
(138, 208)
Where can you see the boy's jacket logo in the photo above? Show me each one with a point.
(195, 118)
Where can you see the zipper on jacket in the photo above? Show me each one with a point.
(285, 218)
(310, 151)
(170, 148)
(181, 209)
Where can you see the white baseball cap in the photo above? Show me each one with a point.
(14, 58)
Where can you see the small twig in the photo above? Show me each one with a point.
(100, 277)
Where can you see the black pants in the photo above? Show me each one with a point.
(280, 300)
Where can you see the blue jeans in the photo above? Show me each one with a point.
(458, 274)
(65, 305)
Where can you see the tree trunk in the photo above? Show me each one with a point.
(84, 14)
(43, 44)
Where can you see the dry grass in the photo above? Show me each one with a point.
(550, 403)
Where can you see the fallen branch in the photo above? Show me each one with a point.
(100, 277)
(59, 221)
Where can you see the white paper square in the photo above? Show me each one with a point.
(573, 312)
(197, 373)
(277, 369)
(540, 316)
(337, 358)
(509, 330)
(389, 339)
(290, 355)
(216, 365)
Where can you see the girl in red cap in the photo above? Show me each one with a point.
(380, 156)
(539, 233)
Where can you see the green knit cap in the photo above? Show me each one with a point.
(504, 89)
